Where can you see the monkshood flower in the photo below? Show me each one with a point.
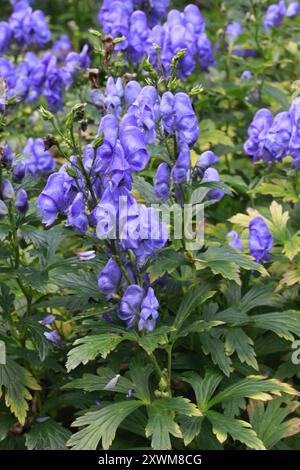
(211, 174)
(294, 144)
(7, 191)
(293, 10)
(59, 194)
(29, 26)
(6, 155)
(162, 182)
(54, 337)
(246, 75)
(235, 241)
(277, 140)
(275, 14)
(48, 320)
(5, 37)
(87, 255)
(111, 100)
(109, 278)
(22, 201)
(257, 133)
(149, 313)
(260, 239)
(77, 217)
(39, 162)
(205, 160)
(182, 166)
(179, 117)
(184, 30)
(136, 307)
(62, 46)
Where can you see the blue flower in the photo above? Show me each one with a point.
(6, 155)
(235, 241)
(178, 116)
(293, 10)
(7, 191)
(77, 217)
(54, 337)
(149, 313)
(182, 165)
(275, 14)
(260, 239)
(211, 174)
(5, 37)
(39, 162)
(22, 201)
(257, 133)
(162, 182)
(109, 278)
(131, 305)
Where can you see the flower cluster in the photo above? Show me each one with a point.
(184, 30)
(25, 26)
(260, 240)
(96, 190)
(273, 139)
(277, 11)
(115, 15)
(47, 76)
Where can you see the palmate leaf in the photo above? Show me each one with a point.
(95, 383)
(193, 298)
(269, 421)
(284, 324)
(237, 341)
(190, 427)
(80, 282)
(155, 339)
(47, 436)
(254, 386)
(101, 425)
(89, 347)
(204, 388)
(162, 422)
(167, 263)
(226, 262)
(239, 430)
(216, 349)
(6, 422)
(17, 382)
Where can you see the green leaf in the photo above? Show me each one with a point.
(193, 298)
(237, 341)
(190, 427)
(284, 324)
(203, 388)
(269, 421)
(239, 430)
(254, 386)
(16, 382)
(160, 425)
(155, 339)
(225, 261)
(89, 347)
(101, 424)
(95, 383)
(6, 422)
(198, 326)
(216, 348)
(40, 342)
(166, 264)
(47, 436)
